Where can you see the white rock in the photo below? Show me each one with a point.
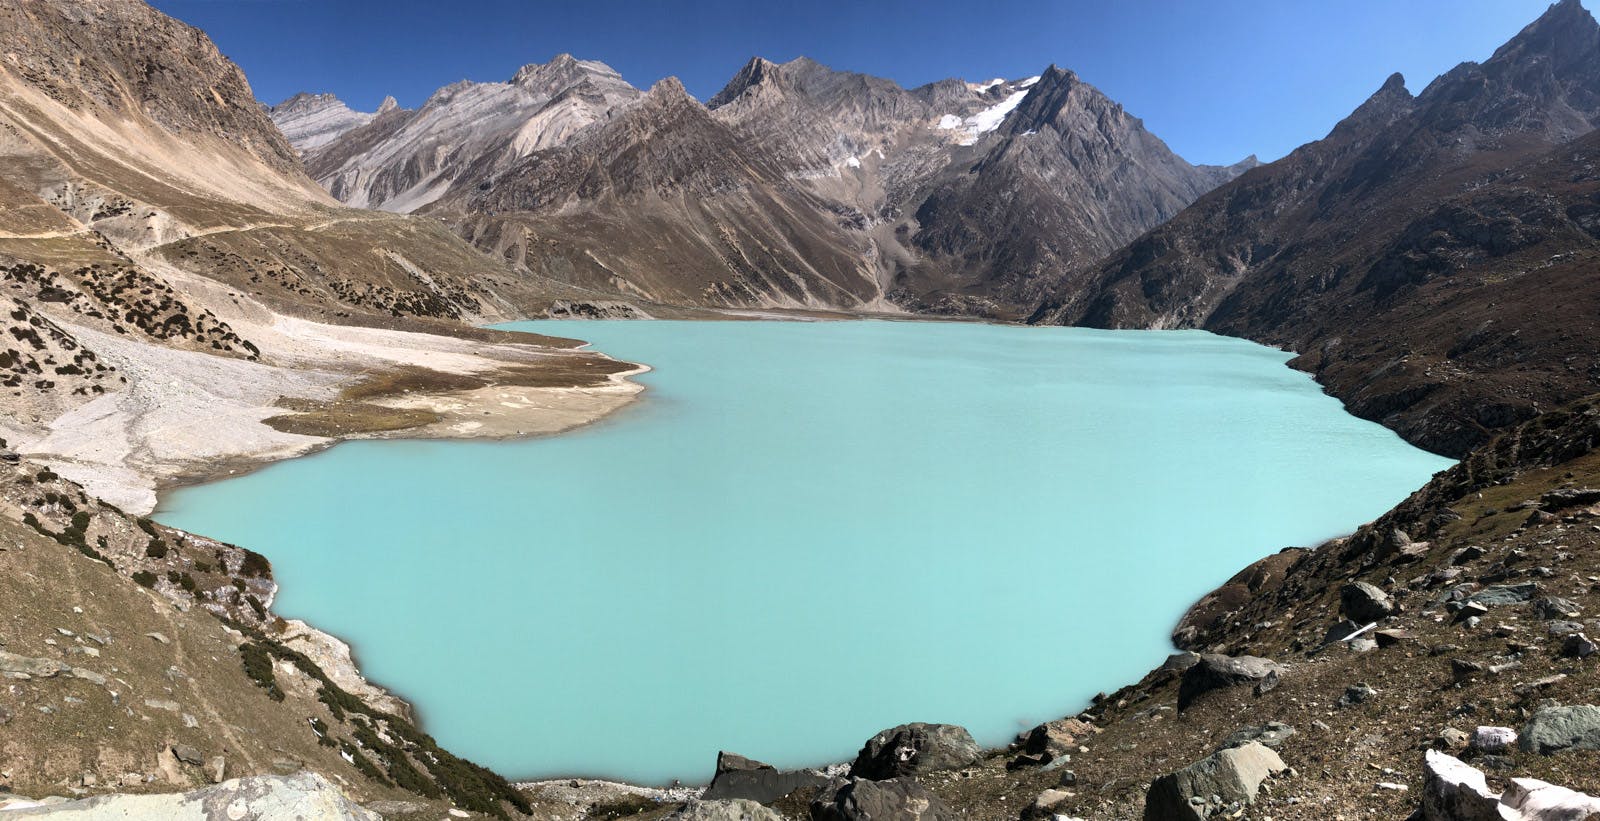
(1493, 739)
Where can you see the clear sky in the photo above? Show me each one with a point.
(1216, 79)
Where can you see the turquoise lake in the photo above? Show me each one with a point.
(806, 532)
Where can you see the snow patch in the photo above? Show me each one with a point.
(984, 121)
(1028, 83)
(853, 162)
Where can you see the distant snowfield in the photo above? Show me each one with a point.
(990, 118)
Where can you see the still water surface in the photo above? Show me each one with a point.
(806, 532)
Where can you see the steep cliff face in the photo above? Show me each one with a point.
(1394, 252)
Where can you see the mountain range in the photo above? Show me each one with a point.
(194, 283)
(795, 186)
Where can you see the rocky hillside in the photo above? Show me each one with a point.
(1431, 257)
(171, 278)
(795, 186)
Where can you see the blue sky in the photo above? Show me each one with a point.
(1216, 79)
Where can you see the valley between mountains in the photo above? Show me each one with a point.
(195, 283)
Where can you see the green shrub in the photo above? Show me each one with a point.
(145, 578)
(258, 666)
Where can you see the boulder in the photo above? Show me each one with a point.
(1553, 729)
(733, 810)
(1499, 594)
(733, 762)
(1046, 804)
(915, 748)
(188, 755)
(1272, 734)
(13, 664)
(738, 777)
(1455, 791)
(1362, 602)
(1178, 662)
(1570, 497)
(1578, 646)
(1493, 739)
(258, 798)
(1452, 739)
(1055, 738)
(1452, 790)
(1356, 694)
(893, 799)
(1555, 607)
(1392, 636)
(1541, 801)
(1217, 672)
(1221, 782)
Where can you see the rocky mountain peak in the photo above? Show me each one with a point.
(389, 104)
(563, 70)
(754, 73)
(1391, 101)
(668, 91)
(1565, 33)
(1046, 100)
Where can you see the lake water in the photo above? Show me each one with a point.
(806, 532)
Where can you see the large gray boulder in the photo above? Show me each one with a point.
(1553, 729)
(915, 748)
(738, 777)
(1363, 603)
(1219, 783)
(894, 799)
(1217, 672)
(733, 810)
(258, 798)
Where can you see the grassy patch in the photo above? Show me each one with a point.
(346, 418)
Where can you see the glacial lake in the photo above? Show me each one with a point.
(806, 532)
